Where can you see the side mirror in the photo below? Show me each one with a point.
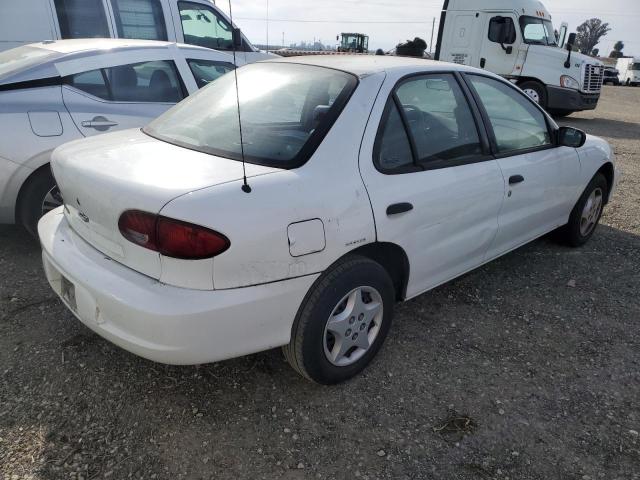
(237, 38)
(571, 42)
(571, 137)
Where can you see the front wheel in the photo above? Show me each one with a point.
(586, 214)
(536, 91)
(343, 322)
(38, 197)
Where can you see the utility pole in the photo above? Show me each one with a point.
(433, 27)
(282, 39)
(267, 24)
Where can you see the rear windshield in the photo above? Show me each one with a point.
(21, 58)
(286, 110)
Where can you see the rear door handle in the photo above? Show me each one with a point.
(515, 179)
(398, 208)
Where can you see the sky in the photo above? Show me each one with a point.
(388, 22)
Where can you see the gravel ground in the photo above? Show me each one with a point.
(528, 368)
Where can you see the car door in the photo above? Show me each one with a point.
(433, 187)
(499, 57)
(120, 97)
(540, 178)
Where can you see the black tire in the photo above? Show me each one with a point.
(306, 351)
(30, 202)
(561, 113)
(539, 89)
(571, 233)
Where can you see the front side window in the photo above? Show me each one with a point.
(635, 67)
(537, 31)
(517, 123)
(439, 119)
(82, 19)
(206, 71)
(141, 19)
(155, 82)
(205, 27)
(286, 111)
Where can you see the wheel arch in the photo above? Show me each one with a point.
(20, 199)
(393, 259)
(609, 173)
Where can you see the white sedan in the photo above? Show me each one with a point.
(369, 180)
(55, 92)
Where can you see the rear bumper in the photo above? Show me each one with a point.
(572, 100)
(159, 322)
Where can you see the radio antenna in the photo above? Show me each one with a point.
(235, 40)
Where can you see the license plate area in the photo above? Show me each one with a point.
(68, 293)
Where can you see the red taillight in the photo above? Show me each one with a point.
(172, 238)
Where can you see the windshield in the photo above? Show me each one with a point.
(537, 31)
(21, 58)
(286, 110)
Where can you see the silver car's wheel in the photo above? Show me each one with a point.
(591, 212)
(52, 200)
(353, 326)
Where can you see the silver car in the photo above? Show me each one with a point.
(55, 92)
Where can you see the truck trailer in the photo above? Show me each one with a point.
(516, 39)
(629, 71)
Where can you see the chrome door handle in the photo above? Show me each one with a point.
(99, 123)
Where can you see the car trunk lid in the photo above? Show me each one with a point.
(104, 176)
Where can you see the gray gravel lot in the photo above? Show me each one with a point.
(537, 353)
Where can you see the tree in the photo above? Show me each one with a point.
(590, 33)
(617, 50)
(412, 48)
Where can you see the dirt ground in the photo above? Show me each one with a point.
(533, 359)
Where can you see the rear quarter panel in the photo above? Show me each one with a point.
(21, 146)
(328, 188)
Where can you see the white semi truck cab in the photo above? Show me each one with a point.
(629, 71)
(516, 39)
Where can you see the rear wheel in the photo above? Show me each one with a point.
(586, 215)
(38, 197)
(343, 322)
(536, 91)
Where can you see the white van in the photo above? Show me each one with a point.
(516, 39)
(195, 22)
(629, 71)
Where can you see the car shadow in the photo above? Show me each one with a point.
(603, 127)
(527, 328)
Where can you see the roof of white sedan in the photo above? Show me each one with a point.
(363, 65)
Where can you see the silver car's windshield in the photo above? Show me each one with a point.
(286, 110)
(21, 58)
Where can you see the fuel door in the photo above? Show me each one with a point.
(306, 237)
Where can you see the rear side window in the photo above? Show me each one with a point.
(204, 26)
(141, 19)
(439, 119)
(156, 82)
(82, 19)
(206, 71)
(516, 122)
